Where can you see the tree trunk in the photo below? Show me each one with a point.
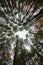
(16, 54)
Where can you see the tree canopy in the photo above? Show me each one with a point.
(21, 32)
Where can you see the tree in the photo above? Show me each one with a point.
(18, 15)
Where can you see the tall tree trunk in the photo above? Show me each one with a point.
(16, 54)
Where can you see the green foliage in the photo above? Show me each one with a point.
(19, 15)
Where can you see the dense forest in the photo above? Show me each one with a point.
(21, 32)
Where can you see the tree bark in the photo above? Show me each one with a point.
(16, 54)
